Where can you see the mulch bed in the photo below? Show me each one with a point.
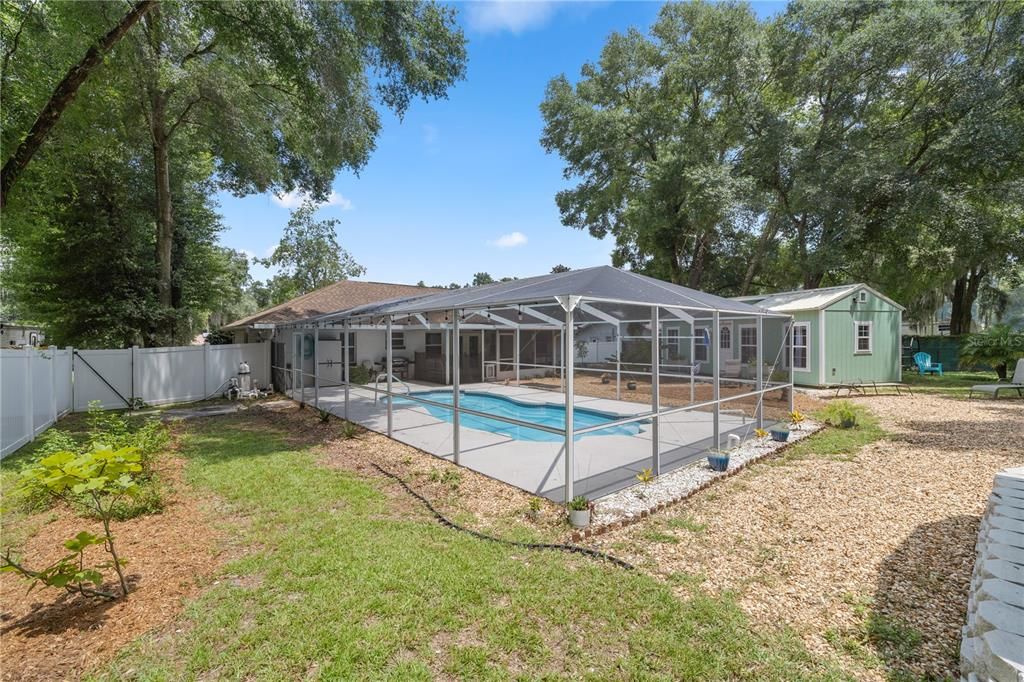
(820, 542)
(48, 634)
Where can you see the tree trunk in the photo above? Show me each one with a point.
(62, 96)
(164, 209)
(965, 292)
(700, 253)
(767, 237)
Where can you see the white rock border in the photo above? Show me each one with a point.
(640, 501)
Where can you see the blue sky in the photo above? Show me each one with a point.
(463, 185)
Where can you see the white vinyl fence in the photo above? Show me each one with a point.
(37, 387)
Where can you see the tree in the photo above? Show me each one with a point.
(651, 132)
(309, 255)
(560, 268)
(482, 278)
(65, 91)
(281, 94)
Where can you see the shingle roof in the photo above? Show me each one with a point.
(334, 297)
(601, 283)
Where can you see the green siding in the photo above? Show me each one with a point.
(809, 377)
(841, 362)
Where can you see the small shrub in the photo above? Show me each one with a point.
(324, 415)
(358, 375)
(98, 479)
(349, 430)
(535, 504)
(579, 503)
(760, 433)
(840, 413)
(796, 418)
(68, 572)
(646, 476)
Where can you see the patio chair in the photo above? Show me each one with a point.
(925, 365)
(1016, 383)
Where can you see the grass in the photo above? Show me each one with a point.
(835, 443)
(345, 581)
(950, 383)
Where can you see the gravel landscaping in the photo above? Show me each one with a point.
(643, 498)
(867, 556)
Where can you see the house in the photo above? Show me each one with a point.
(840, 334)
(341, 295)
(16, 335)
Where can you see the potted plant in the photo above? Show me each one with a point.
(631, 385)
(534, 511)
(718, 460)
(579, 512)
(780, 434)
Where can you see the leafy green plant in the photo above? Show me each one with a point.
(761, 433)
(349, 430)
(579, 503)
(796, 418)
(358, 374)
(449, 477)
(535, 505)
(98, 478)
(68, 572)
(646, 476)
(841, 413)
(324, 415)
(999, 347)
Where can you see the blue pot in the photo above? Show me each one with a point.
(780, 435)
(718, 462)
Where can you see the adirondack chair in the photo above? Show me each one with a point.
(925, 365)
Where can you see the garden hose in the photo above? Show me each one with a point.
(593, 553)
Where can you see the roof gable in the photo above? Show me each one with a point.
(811, 299)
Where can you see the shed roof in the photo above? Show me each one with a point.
(810, 299)
(601, 283)
(341, 295)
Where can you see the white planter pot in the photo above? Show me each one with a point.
(579, 518)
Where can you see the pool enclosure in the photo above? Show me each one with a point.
(564, 384)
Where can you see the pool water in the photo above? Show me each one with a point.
(536, 413)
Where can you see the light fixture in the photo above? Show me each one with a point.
(520, 313)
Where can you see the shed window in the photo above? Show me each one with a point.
(863, 341)
(801, 346)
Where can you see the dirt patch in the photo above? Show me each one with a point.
(465, 496)
(871, 553)
(48, 635)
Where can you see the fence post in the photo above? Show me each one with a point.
(53, 385)
(29, 413)
(206, 370)
(135, 350)
(71, 377)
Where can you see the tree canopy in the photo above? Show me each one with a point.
(196, 97)
(836, 141)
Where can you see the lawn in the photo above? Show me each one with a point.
(951, 383)
(339, 574)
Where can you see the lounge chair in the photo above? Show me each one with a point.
(925, 365)
(1016, 384)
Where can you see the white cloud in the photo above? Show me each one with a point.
(514, 16)
(430, 134)
(510, 240)
(295, 198)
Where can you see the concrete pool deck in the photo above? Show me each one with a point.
(603, 463)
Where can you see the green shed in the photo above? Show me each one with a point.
(848, 333)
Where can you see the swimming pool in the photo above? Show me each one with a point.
(536, 413)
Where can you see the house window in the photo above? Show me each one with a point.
(351, 347)
(725, 338)
(397, 340)
(432, 344)
(862, 341)
(671, 344)
(801, 346)
(700, 346)
(748, 345)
